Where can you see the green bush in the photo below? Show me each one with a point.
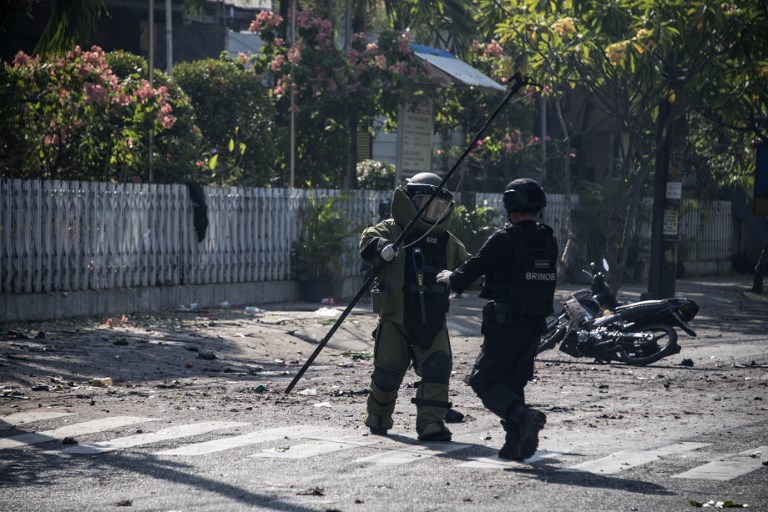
(320, 249)
(236, 119)
(473, 227)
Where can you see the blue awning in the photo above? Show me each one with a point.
(451, 71)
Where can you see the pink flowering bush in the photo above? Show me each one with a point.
(72, 117)
(336, 94)
(509, 147)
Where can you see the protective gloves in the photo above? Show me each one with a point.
(388, 253)
(444, 276)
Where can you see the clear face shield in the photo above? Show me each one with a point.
(437, 210)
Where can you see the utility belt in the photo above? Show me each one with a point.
(502, 314)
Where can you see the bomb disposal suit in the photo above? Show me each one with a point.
(412, 306)
(519, 265)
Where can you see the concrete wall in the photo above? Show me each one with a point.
(55, 305)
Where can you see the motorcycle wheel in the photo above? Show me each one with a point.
(660, 342)
(552, 336)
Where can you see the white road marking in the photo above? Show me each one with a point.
(20, 418)
(302, 451)
(496, 463)
(77, 429)
(413, 453)
(175, 432)
(218, 445)
(729, 468)
(464, 328)
(619, 461)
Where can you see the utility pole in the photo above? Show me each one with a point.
(667, 195)
(151, 35)
(168, 37)
(293, 100)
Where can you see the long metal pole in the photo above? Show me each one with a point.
(519, 82)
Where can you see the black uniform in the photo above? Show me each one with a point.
(519, 265)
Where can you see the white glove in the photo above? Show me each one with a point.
(388, 253)
(444, 276)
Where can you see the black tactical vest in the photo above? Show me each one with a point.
(425, 300)
(534, 274)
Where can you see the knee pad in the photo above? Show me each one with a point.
(437, 368)
(387, 380)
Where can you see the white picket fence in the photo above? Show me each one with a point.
(706, 232)
(70, 236)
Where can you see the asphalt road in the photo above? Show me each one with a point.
(196, 417)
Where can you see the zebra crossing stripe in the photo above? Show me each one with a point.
(497, 463)
(619, 461)
(218, 445)
(413, 453)
(169, 433)
(303, 451)
(464, 328)
(729, 468)
(77, 429)
(20, 418)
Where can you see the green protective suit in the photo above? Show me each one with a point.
(397, 345)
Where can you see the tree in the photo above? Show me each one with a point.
(631, 57)
(331, 89)
(237, 120)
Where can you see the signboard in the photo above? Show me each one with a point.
(670, 222)
(674, 190)
(414, 141)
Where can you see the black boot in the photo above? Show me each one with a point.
(510, 450)
(530, 422)
(453, 416)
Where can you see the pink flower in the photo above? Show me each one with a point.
(398, 68)
(403, 45)
(278, 42)
(493, 49)
(167, 121)
(21, 59)
(294, 54)
(199, 163)
(371, 47)
(276, 64)
(381, 62)
(95, 92)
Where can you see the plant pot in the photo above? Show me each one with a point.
(318, 288)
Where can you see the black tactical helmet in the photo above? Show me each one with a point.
(420, 188)
(524, 194)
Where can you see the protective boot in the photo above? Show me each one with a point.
(530, 422)
(435, 432)
(454, 416)
(379, 425)
(379, 409)
(510, 450)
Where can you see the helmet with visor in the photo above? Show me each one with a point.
(420, 188)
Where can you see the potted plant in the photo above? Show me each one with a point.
(317, 257)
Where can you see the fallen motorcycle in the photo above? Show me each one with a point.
(593, 324)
